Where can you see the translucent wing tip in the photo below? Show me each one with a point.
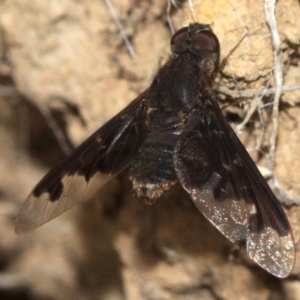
(31, 214)
(274, 253)
(38, 210)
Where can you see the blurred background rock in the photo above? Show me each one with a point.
(64, 71)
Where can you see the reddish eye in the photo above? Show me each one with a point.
(206, 40)
(180, 36)
(187, 40)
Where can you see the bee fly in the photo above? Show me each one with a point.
(175, 132)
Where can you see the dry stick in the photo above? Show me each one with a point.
(262, 135)
(121, 30)
(191, 6)
(58, 133)
(270, 16)
(270, 6)
(252, 93)
(60, 137)
(253, 107)
(169, 5)
(173, 2)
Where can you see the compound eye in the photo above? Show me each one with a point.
(206, 40)
(180, 36)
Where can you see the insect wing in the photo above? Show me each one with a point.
(103, 155)
(216, 170)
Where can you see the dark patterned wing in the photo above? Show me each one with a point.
(216, 170)
(104, 154)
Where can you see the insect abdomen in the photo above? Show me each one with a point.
(152, 171)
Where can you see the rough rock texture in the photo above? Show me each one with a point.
(64, 71)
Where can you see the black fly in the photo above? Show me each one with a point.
(175, 132)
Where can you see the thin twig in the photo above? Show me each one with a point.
(11, 92)
(270, 6)
(121, 30)
(55, 128)
(169, 5)
(262, 135)
(191, 6)
(253, 93)
(253, 106)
